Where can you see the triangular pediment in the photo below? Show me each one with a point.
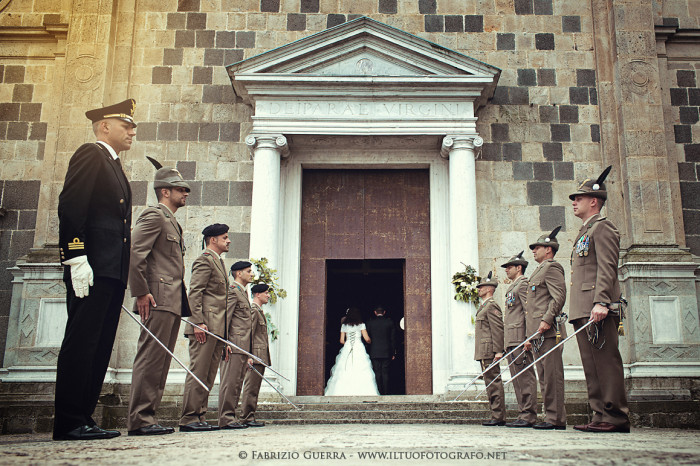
(363, 77)
(362, 48)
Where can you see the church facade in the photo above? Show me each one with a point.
(369, 149)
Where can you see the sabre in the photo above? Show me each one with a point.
(499, 375)
(164, 347)
(252, 356)
(545, 354)
(275, 388)
(494, 363)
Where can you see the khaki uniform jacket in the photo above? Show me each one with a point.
(546, 295)
(157, 264)
(515, 312)
(208, 294)
(240, 316)
(594, 276)
(261, 347)
(489, 331)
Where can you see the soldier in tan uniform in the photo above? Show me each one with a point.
(208, 293)
(156, 278)
(235, 365)
(488, 338)
(546, 294)
(595, 294)
(526, 384)
(252, 381)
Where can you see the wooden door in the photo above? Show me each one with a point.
(365, 214)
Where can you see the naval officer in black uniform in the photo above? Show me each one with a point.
(94, 212)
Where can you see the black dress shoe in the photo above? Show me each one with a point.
(153, 429)
(197, 427)
(519, 423)
(255, 424)
(493, 422)
(607, 427)
(235, 425)
(87, 433)
(548, 426)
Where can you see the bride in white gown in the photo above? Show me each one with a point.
(352, 374)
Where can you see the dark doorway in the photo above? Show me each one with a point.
(365, 284)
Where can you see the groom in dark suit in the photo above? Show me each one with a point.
(383, 348)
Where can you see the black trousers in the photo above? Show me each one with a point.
(85, 352)
(381, 373)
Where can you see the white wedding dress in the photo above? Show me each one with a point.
(352, 374)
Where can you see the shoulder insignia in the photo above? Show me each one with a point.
(76, 244)
(206, 254)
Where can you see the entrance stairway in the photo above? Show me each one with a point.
(27, 408)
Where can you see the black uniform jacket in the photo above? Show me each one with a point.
(94, 213)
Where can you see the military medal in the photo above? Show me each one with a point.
(583, 245)
(510, 299)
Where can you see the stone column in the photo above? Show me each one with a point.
(267, 151)
(264, 217)
(464, 249)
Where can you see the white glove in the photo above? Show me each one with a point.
(81, 275)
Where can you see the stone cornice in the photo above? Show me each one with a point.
(46, 33)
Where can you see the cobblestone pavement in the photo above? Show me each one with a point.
(365, 444)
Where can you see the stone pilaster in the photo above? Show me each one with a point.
(657, 276)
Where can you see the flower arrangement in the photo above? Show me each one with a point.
(269, 277)
(465, 285)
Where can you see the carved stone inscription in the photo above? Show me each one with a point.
(316, 109)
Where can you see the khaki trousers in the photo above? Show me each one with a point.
(204, 361)
(232, 374)
(604, 374)
(151, 366)
(525, 385)
(495, 391)
(251, 388)
(550, 371)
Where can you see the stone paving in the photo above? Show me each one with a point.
(365, 444)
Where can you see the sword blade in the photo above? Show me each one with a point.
(499, 375)
(230, 343)
(547, 353)
(274, 388)
(164, 347)
(492, 364)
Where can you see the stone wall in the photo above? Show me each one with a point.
(544, 129)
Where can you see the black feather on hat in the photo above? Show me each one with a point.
(155, 163)
(593, 188)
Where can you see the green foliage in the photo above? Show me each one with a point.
(269, 277)
(465, 285)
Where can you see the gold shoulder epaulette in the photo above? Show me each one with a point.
(76, 244)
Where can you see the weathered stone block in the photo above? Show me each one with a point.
(188, 170)
(522, 171)
(38, 131)
(568, 114)
(692, 152)
(196, 21)
(454, 23)
(309, 6)
(270, 6)
(546, 77)
(690, 195)
(688, 115)
(523, 7)
(687, 172)
(241, 193)
(9, 111)
(548, 114)
(473, 23)
(245, 39)
(30, 112)
(426, 7)
(13, 74)
(543, 7)
(499, 132)
(167, 131)
(544, 41)
(184, 38)
(209, 132)
(693, 97)
(512, 151)
(187, 131)
(563, 170)
(188, 5)
(434, 23)
(682, 134)
(685, 78)
(595, 133)
(335, 20)
(17, 131)
(505, 41)
(543, 171)
(571, 23)
(552, 217)
(387, 7)
(527, 77)
(560, 132)
(296, 22)
(578, 95)
(539, 193)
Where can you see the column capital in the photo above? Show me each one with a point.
(459, 141)
(275, 142)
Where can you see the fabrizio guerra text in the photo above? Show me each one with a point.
(295, 455)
